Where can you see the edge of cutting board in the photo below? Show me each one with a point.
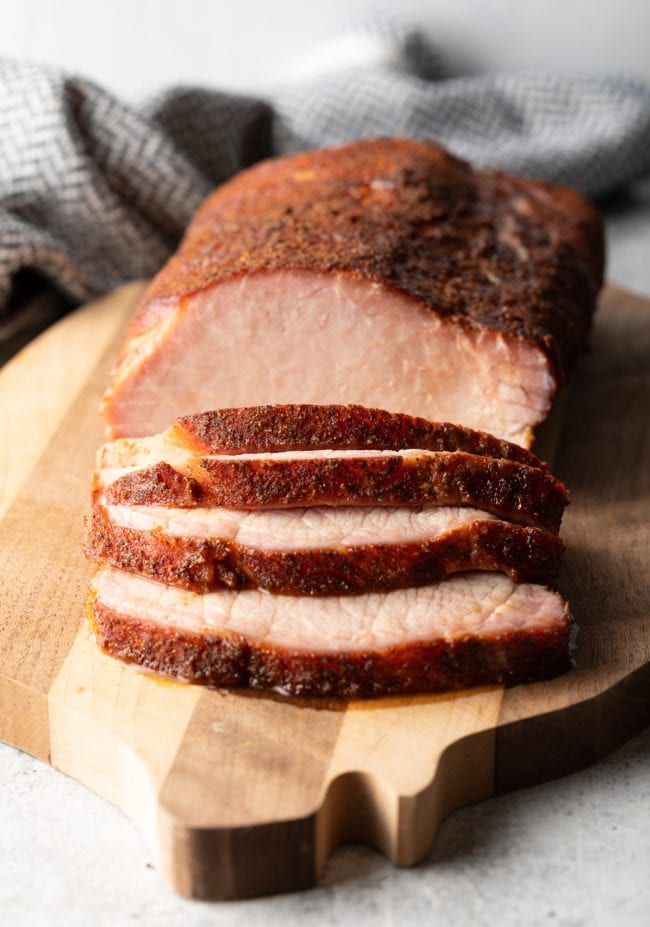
(240, 795)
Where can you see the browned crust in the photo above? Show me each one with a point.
(208, 564)
(151, 485)
(521, 257)
(257, 429)
(511, 490)
(216, 659)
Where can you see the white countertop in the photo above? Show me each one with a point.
(571, 852)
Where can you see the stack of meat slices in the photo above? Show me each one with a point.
(328, 550)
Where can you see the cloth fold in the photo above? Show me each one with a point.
(94, 192)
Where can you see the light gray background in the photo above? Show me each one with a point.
(135, 46)
(573, 852)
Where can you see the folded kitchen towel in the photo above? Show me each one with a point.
(94, 192)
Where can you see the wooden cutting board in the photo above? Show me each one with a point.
(241, 795)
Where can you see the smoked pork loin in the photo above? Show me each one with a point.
(373, 589)
(384, 272)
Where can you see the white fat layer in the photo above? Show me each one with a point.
(290, 529)
(477, 604)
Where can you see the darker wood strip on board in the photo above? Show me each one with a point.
(560, 742)
(43, 574)
(604, 458)
(239, 803)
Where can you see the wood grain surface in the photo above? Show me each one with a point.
(241, 794)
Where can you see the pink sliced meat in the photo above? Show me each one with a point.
(470, 629)
(318, 551)
(305, 549)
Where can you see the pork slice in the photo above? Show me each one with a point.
(386, 273)
(260, 429)
(470, 629)
(316, 551)
(287, 529)
(511, 490)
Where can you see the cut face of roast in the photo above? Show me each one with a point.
(468, 629)
(295, 337)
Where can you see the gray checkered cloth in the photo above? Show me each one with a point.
(94, 192)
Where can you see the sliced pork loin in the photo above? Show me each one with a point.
(362, 467)
(385, 272)
(317, 551)
(305, 427)
(313, 478)
(470, 629)
(302, 500)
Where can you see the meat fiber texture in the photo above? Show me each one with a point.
(470, 629)
(186, 572)
(384, 272)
